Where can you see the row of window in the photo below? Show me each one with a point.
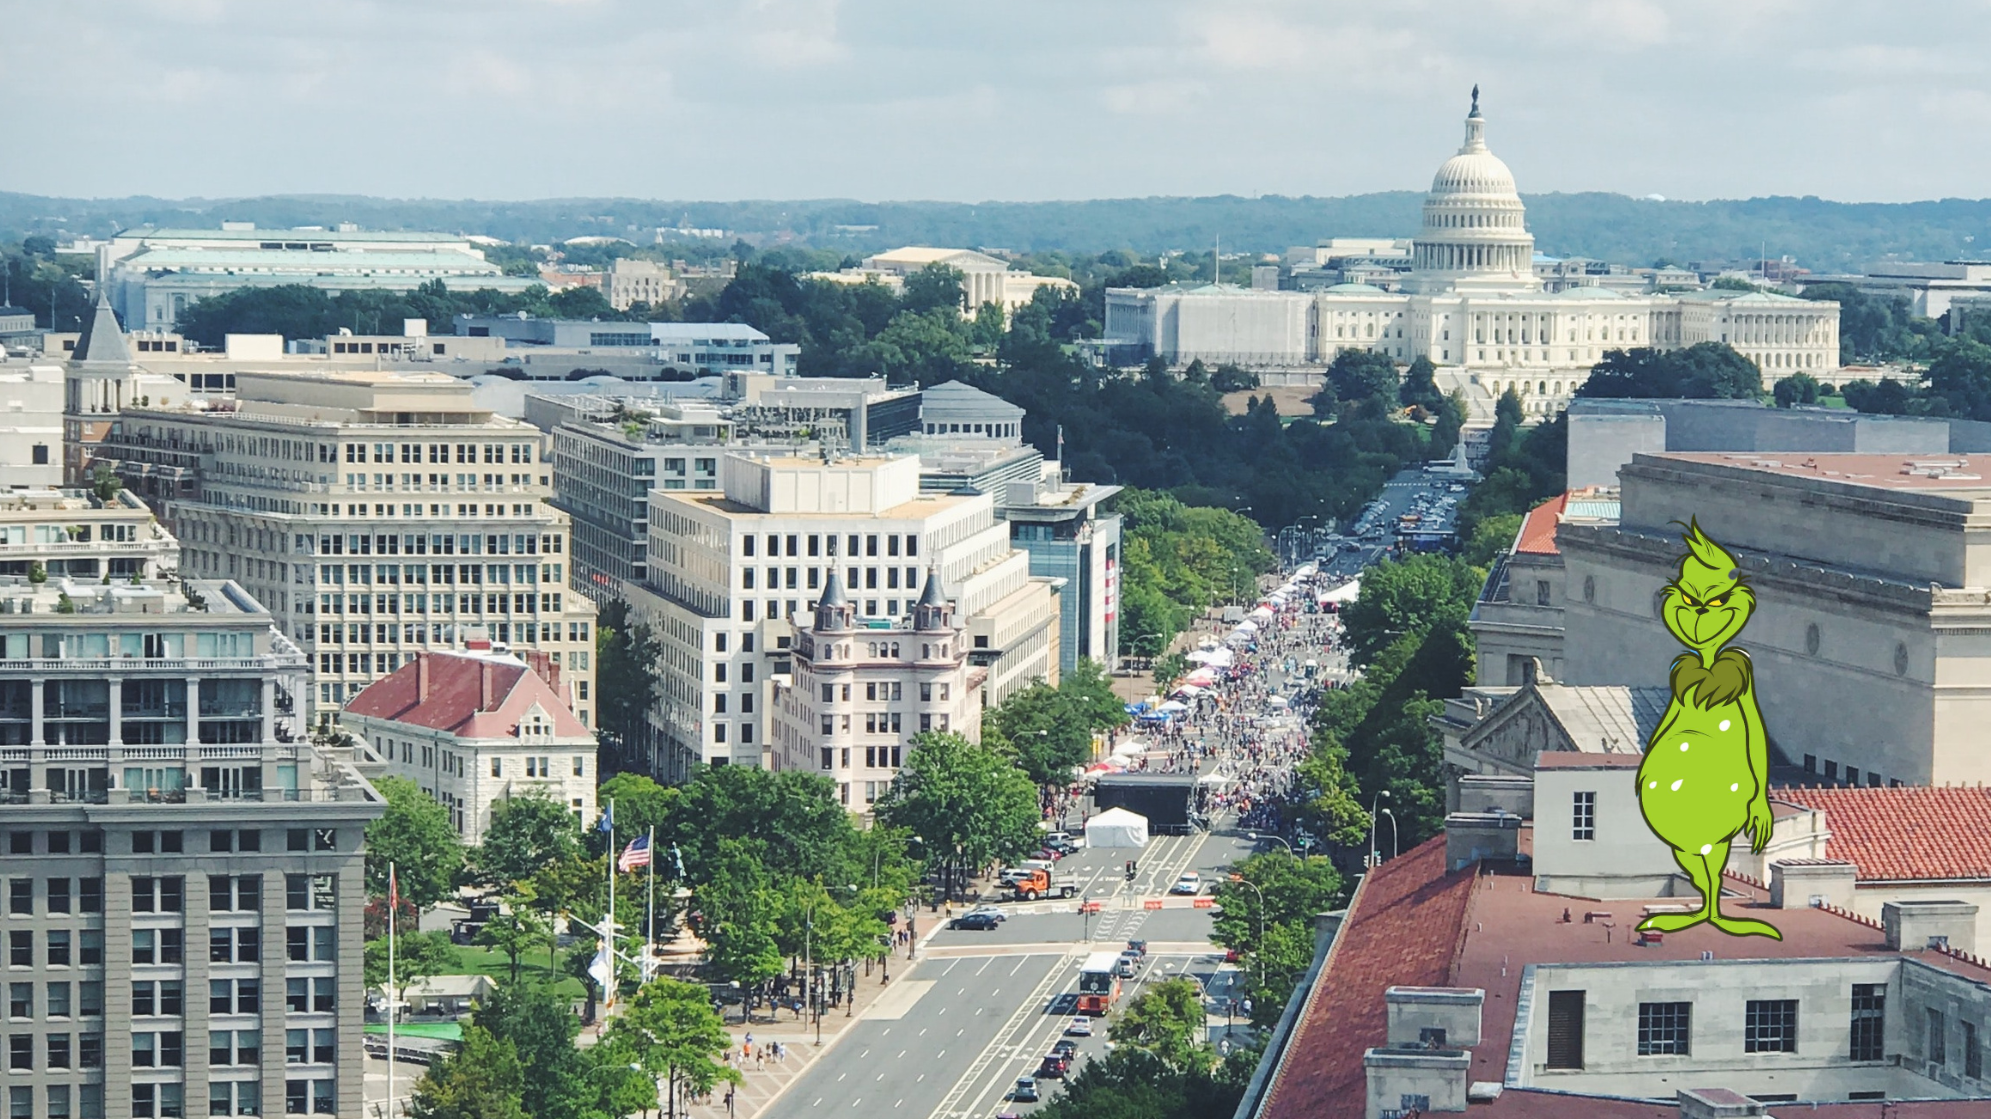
(493, 454)
(875, 757)
(421, 544)
(1666, 1029)
(445, 603)
(827, 545)
(774, 607)
(64, 895)
(882, 722)
(442, 574)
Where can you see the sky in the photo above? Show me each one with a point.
(1019, 100)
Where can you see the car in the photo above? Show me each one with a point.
(1066, 1048)
(1079, 1027)
(1189, 883)
(1050, 854)
(1126, 967)
(1051, 1068)
(989, 910)
(1025, 1090)
(1137, 947)
(974, 921)
(1230, 955)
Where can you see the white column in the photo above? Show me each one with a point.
(269, 709)
(36, 735)
(193, 712)
(117, 710)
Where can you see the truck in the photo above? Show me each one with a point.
(1098, 983)
(1042, 883)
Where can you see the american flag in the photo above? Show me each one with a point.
(635, 855)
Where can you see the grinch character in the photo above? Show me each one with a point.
(1704, 779)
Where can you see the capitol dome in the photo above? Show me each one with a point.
(1475, 234)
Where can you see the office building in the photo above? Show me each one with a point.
(1871, 601)
(628, 282)
(729, 568)
(962, 412)
(377, 515)
(160, 796)
(1518, 616)
(153, 275)
(1473, 303)
(857, 693)
(693, 348)
(1465, 979)
(476, 727)
(1071, 538)
(31, 401)
(870, 411)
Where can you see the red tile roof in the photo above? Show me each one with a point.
(1412, 923)
(1403, 929)
(471, 696)
(1537, 535)
(1907, 833)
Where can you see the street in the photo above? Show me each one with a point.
(981, 1008)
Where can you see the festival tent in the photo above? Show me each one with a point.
(1276, 701)
(1116, 827)
(1347, 592)
(1215, 658)
(1202, 678)
(1130, 747)
(1262, 612)
(1246, 626)
(1173, 705)
(1304, 571)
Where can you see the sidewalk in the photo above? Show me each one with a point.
(765, 1080)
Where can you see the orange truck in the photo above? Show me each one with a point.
(1039, 883)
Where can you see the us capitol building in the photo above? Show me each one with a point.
(1472, 303)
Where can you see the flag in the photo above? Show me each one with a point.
(393, 890)
(602, 969)
(679, 857)
(635, 855)
(607, 824)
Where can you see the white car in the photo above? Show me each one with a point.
(1189, 883)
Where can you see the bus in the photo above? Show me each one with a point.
(1098, 983)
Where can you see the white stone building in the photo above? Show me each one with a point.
(728, 569)
(31, 402)
(857, 695)
(984, 279)
(1473, 304)
(376, 514)
(476, 727)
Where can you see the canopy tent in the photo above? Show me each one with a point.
(1172, 706)
(1276, 701)
(1117, 827)
(1130, 747)
(1246, 626)
(1304, 571)
(1201, 678)
(1347, 592)
(1215, 658)
(1262, 612)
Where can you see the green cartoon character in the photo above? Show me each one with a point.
(1704, 778)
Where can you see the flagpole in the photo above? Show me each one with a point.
(393, 902)
(608, 985)
(650, 917)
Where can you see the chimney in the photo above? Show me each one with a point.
(421, 677)
(1717, 1103)
(484, 685)
(1914, 925)
(541, 663)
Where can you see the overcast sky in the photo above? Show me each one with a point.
(1021, 99)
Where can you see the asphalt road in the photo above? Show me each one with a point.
(982, 1007)
(1398, 496)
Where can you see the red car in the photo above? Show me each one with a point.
(1230, 955)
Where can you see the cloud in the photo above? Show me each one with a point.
(907, 98)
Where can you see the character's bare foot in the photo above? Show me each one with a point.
(1671, 922)
(1745, 926)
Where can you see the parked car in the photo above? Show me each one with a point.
(1025, 1090)
(1079, 1027)
(1189, 883)
(990, 910)
(977, 921)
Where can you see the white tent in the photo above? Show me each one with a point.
(1117, 827)
(1347, 592)
(1130, 747)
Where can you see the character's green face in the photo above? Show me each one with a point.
(1708, 604)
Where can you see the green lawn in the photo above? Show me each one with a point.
(476, 960)
(439, 1031)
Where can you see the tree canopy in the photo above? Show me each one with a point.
(962, 799)
(1703, 371)
(414, 836)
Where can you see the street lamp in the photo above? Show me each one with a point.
(1240, 880)
(1374, 855)
(1392, 817)
(1255, 836)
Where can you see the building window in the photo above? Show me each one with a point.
(1973, 1057)
(1769, 1026)
(1938, 1039)
(1663, 1028)
(1565, 1029)
(1583, 820)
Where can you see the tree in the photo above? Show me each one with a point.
(1491, 538)
(1089, 691)
(1169, 669)
(1047, 732)
(736, 915)
(626, 659)
(483, 1079)
(935, 287)
(1229, 378)
(791, 822)
(1362, 375)
(415, 836)
(528, 833)
(1960, 377)
(1705, 370)
(967, 803)
(1133, 1083)
(417, 955)
(673, 1032)
(515, 931)
(1420, 386)
(1888, 398)
(538, 1027)
(1452, 415)
(1798, 388)
(1407, 598)
(640, 805)
(1327, 798)
(1167, 1019)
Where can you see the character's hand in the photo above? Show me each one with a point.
(1759, 824)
